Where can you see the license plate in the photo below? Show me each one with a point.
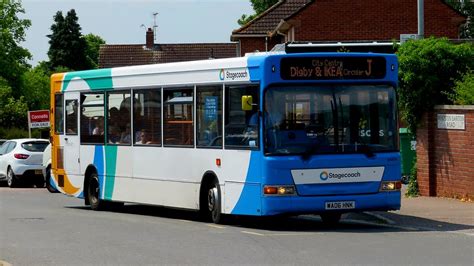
(38, 172)
(340, 205)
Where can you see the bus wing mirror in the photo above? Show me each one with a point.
(247, 101)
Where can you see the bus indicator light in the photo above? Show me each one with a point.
(218, 162)
(279, 190)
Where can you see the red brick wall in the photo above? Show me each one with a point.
(349, 20)
(445, 158)
(339, 20)
(250, 45)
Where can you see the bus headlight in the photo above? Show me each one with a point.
(391, 186)
(279, 190)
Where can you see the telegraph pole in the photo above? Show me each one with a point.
(421, 19)
(154, 25)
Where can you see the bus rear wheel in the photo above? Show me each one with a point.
(93, 193)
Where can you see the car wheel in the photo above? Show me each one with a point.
(12, 181)
(48, 180)
(331, 218)
(93, 193)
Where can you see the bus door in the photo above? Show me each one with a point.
(71, 141)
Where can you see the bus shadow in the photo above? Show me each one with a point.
(350, 222)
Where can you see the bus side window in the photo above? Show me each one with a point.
(242, 127)
(147, 117)
(92, 118)
(119, 117)
(209, 117)
(178, 120)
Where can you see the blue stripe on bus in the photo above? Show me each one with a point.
(99, 164)
(249, 201)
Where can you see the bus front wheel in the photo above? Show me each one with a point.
(211, 203)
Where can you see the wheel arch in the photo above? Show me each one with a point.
(207, 180)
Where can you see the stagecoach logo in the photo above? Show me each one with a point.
(222, 74)
(233, 75)
(324, 175)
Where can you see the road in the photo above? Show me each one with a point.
(39, 228)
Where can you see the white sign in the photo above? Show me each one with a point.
(449, 121)
(337, 175)
(406, 37)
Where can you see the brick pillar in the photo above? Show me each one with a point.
(425, 156)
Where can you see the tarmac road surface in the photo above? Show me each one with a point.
(39, 228)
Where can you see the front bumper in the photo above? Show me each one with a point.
(382, 201)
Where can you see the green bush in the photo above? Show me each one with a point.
(428, 71)
(464, 90)
(413, 190)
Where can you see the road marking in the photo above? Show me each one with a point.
(252, 233)
(406, 228)
(294, 234)
(216, 226)
(381, 217)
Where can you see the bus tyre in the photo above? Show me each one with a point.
(12, 181)
(331, 218)
(93, 192)
(214, 203)
(48, 180)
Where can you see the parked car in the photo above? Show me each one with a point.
(21, 160)
(47, 169)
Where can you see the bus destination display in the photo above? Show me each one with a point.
(326, 68)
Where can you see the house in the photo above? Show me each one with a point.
(117, 55)
(344, 21)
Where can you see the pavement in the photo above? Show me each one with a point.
(431, 214)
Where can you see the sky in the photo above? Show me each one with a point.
(125, 21)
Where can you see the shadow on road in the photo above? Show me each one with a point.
(350, 222)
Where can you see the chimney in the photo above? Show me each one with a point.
(149, 39)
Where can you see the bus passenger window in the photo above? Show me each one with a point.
(118, 117)
(147, 117)
(242, 127)
(92, 118)
(178, 129)
(209, 116)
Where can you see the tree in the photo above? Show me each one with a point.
(259, 6)
(67, 45)
(13, 112)
(13, 58)
(429, 69)
(35, 85)
(92, 50)
(466, 8)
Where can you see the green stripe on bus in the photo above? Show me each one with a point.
(110, 170)
(99, 79)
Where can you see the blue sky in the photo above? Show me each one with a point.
(119, 21)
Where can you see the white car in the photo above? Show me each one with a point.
(21, 160)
